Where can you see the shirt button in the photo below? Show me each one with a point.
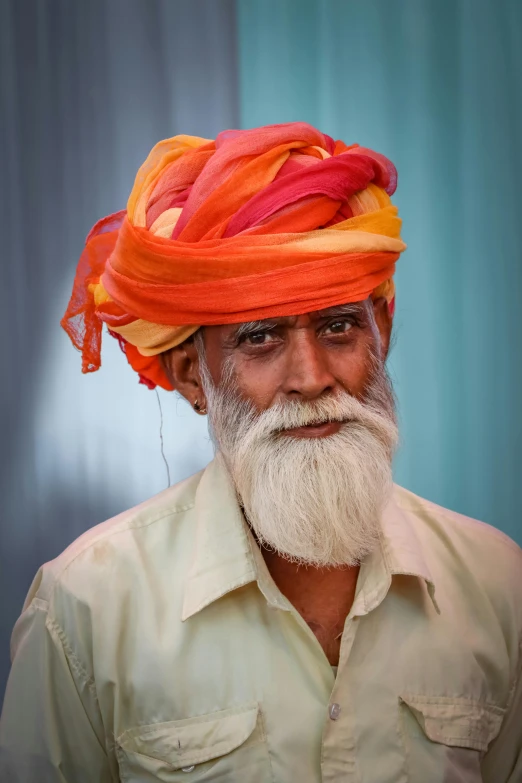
(334, 711)
(188, 769)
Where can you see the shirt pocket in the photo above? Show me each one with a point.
(445, 738)
(228, 745)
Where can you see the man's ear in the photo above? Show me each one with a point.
(181, 365)
(384, 321)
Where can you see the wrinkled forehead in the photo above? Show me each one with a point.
(349, 308)
(361, 309)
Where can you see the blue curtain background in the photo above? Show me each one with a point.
(86, 89)
(435, 85)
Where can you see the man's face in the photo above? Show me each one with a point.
(302, 412)
(303, 357)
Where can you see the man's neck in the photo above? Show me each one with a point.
(322, 596)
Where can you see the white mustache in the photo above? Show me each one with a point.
(340, 408)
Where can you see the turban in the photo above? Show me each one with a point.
(273, 221)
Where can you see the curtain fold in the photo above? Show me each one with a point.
(86, 89)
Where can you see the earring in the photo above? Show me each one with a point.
(199, 409)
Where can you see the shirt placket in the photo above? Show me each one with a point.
(339, 752)
(338, 757)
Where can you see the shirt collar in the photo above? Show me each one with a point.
(227, 557)
(399, 552)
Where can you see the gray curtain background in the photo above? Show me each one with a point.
(87, 88)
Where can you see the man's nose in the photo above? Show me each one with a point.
(308, 374)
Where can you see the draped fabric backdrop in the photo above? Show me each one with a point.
(88, 88)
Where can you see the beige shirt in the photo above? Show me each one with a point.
(158, 648)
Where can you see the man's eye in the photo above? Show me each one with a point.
(258, 338)
(339, 327)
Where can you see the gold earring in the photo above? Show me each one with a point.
(199, 409)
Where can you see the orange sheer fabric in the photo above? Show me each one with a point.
(271, 221)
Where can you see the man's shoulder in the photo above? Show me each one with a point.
(471, 561)
(455, 528)
(114, 544)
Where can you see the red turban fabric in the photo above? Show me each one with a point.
(272, 221)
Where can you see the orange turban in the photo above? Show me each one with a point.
(273, 221)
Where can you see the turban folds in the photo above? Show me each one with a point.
(272, 221)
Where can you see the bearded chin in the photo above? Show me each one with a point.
(315, 501)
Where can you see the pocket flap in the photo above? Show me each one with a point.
(455, 721)
(182, 743)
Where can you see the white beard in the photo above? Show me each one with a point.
(315, 501)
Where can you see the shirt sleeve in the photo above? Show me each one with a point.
(51, 730)
(503, 761)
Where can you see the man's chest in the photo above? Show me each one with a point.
(244, 692)
(329, 637)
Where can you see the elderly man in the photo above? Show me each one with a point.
(287, 614)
